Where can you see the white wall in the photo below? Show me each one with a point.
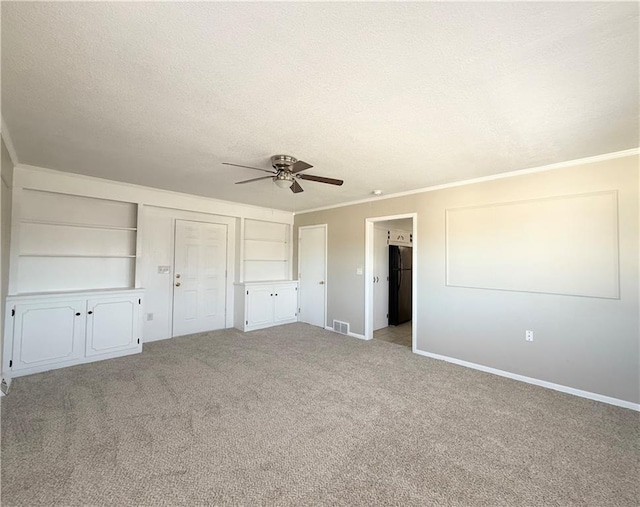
(586, 343)
(157, 243)
(401, 224)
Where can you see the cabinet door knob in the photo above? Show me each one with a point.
(90, 312)
(77, 314)
(177, 275)
(177, 284)
(321, 282)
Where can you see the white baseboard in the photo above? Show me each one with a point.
(529, 380)
(353, 335)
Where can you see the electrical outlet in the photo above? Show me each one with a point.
(528, 335)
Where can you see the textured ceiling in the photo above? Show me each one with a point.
(391, 96)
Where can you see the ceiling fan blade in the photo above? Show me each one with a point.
(299, 166)
(296, 188)
(320, 179)
(248, 167)
(254, 179)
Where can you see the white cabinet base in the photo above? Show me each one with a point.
(265, 304)
(48, 331)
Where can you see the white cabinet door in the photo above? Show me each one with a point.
(47, 333)
(112, 325)
(285, 303)
(259, 311)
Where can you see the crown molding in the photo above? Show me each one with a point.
(510, 174)
(6, 137)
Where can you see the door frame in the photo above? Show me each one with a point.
(368, 271)
(194, 216)
(326, 253)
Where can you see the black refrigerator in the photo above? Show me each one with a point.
(399, 284)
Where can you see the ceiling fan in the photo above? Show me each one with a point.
(285, 172)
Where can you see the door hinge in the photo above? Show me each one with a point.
(247, 293)
(387, 315)
(13, 312)
(246, 322)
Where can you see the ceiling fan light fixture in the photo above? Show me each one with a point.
(283, 179)
(282, 182)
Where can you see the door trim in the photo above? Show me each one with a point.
(368, 271)
(326, 260)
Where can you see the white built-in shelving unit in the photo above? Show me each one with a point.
(67, 242)
(266, 250)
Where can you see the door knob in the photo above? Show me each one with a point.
(177, 284)
(321, 282)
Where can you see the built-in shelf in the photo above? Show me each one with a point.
(84, 226)
(89, 256)
(71, 242)
(266, 260)
(266, 250)
(267, 241)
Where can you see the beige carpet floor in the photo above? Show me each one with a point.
(298, 415)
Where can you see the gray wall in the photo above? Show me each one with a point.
(581, 342)
(5, 232)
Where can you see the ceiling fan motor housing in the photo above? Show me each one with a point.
(280, 162)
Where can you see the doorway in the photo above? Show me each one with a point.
(390, 284)
(312, 274)
(199, 292)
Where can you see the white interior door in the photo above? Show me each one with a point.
(312, 274)
(380, 279)
(199, 292)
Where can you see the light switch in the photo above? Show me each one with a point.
(164, 270)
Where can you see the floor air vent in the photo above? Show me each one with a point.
(341, 327)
